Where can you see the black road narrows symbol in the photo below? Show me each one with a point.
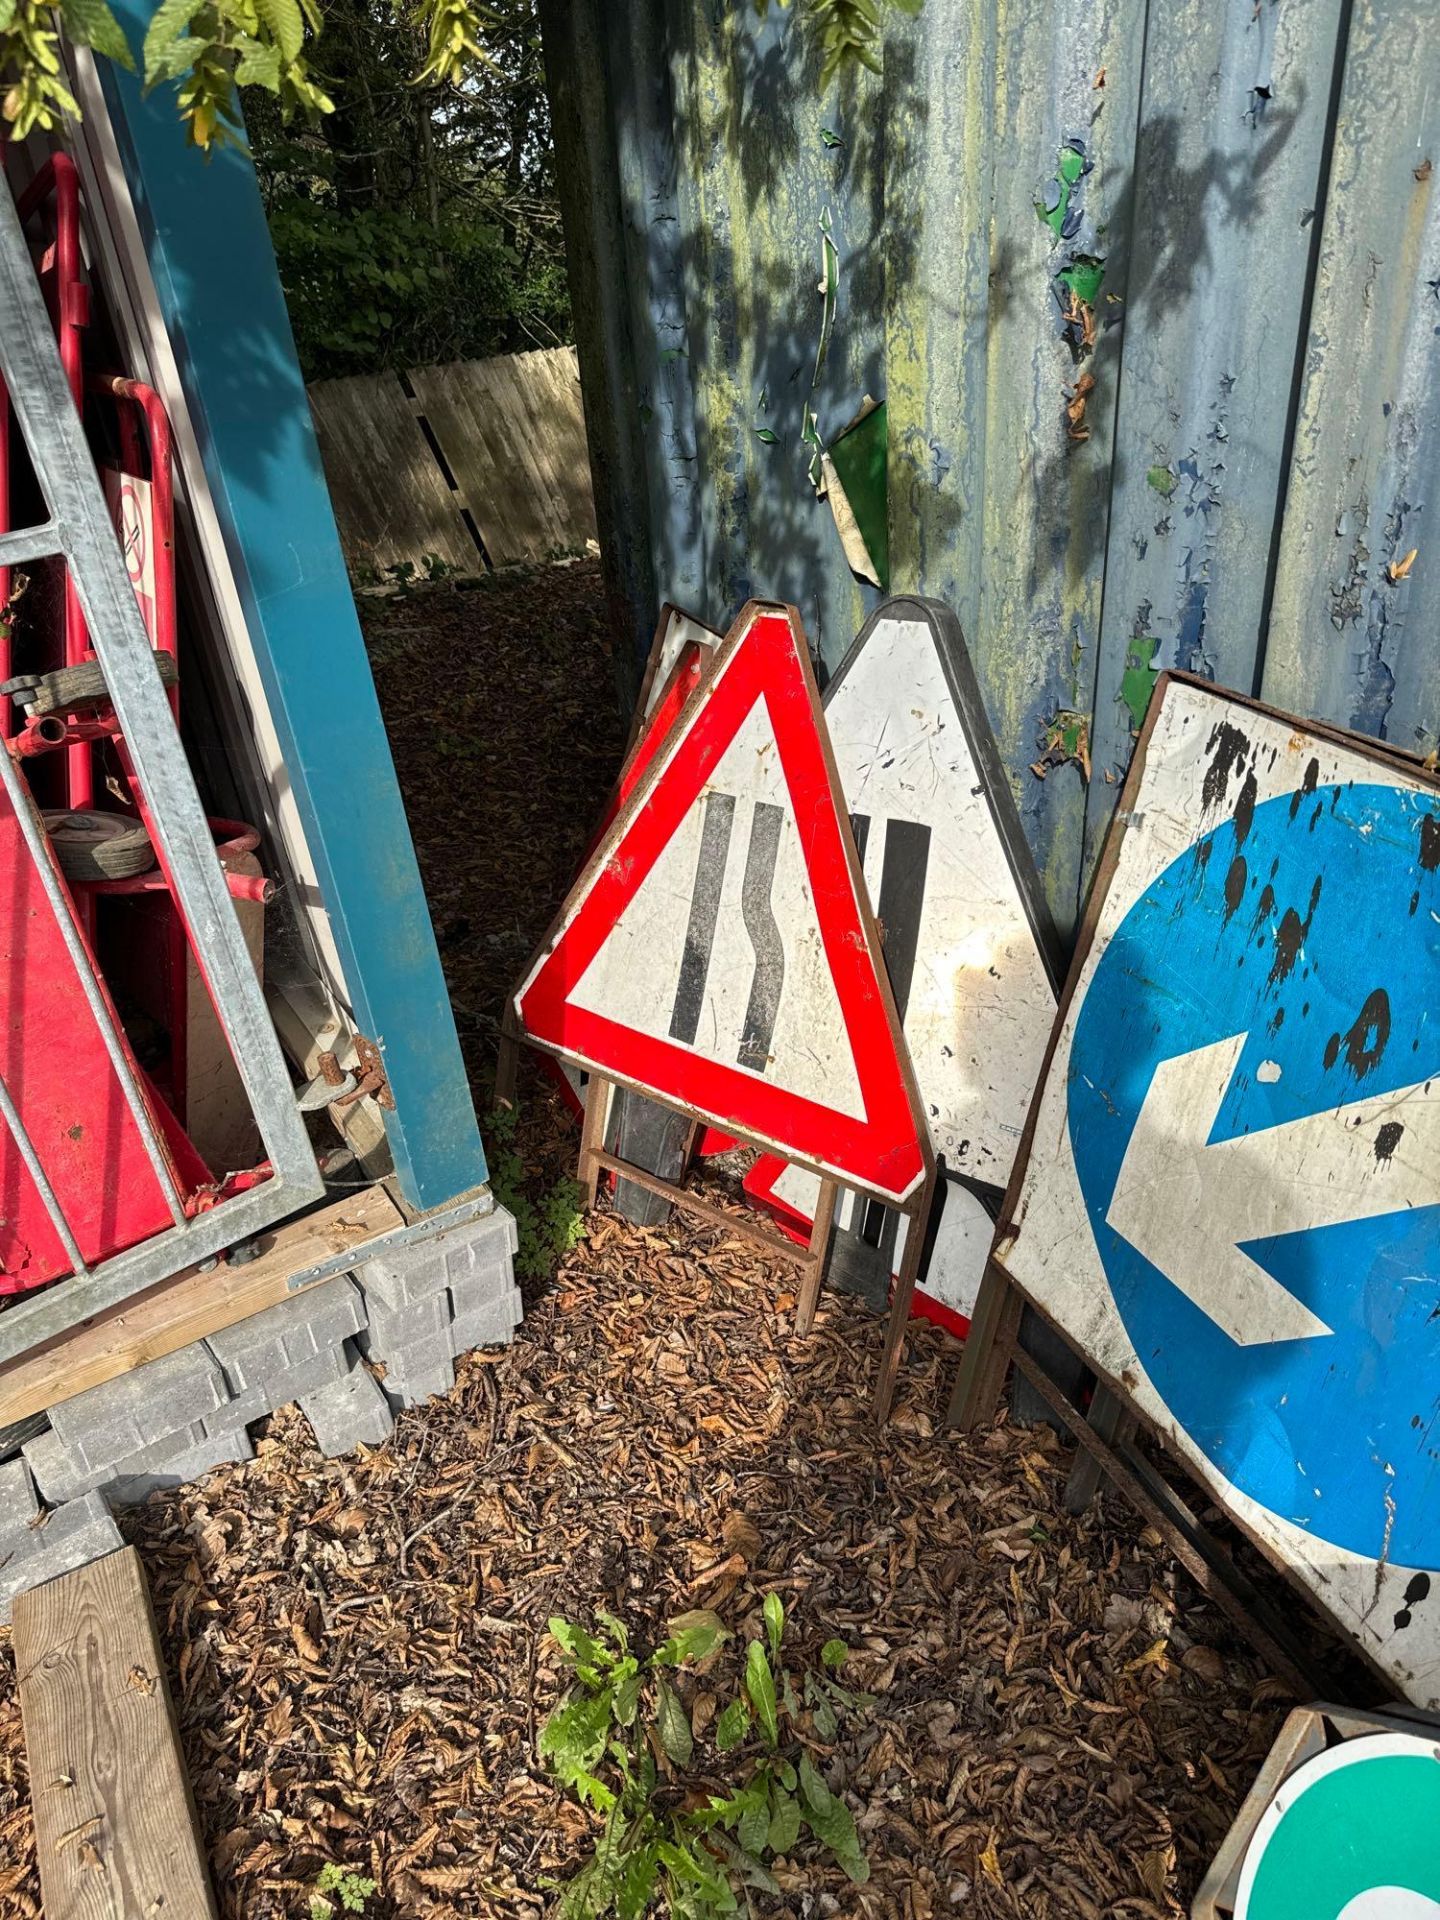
(760, 924)
(704, 913)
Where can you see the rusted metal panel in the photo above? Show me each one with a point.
(769, 171)
(1078, 245)
(1228, 1190)
(1051, 397)
(1354, 623)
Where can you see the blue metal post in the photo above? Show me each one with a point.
(214, 273)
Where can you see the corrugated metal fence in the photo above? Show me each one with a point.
(1151, 290)
(478, 462)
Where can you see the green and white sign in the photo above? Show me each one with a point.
(1354, 1834)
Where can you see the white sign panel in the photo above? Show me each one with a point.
(1232, 1195)
(968, 943)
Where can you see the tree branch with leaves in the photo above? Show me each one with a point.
(208, 48)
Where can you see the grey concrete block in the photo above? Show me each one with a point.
(18, 1503)
(401, 1278)
(348, 1413)
(416, 1269)
(215, 1450)
(124, 1416)
(61, 1473)
(70, 1537)
(280, 1389)
(490, 1323)
(289, 1334)
(420, 1384)
(418, 1357)
(392, 1327)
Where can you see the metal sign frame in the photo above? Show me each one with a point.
(1116, 1412)
(79, 531)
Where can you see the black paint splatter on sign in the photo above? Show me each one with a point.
(1387, 1139)
(1418, 1590)
(1227, 747)
(1290, 937)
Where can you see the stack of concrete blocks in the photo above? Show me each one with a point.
(429, 1301)
(175, 1418)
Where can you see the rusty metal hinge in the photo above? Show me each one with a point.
(370, 1077)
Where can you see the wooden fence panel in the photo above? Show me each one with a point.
(392, 501)
(512, 431)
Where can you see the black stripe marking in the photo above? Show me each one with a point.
(704, 913)
(764, 934)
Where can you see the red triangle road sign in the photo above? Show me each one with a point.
(718, 951)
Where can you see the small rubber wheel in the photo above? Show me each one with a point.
(98, 846)
(68, 689)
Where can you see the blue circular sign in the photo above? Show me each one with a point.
(1309, 924)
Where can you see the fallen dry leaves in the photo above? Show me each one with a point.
(1062, 1727)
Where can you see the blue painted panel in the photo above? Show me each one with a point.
(214, 272)
(1257, 184)
(654, 286)
(756, 176)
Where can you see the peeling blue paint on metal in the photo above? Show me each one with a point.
(1215, 192)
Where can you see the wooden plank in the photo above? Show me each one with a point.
(190, 1306)
(513, 432)
(115, 1828)
(392, 502)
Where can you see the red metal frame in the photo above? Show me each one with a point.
(68, 298)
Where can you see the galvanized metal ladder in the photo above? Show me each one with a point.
(80, 532)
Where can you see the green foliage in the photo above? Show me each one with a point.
(850, 33)
(453, 30)
(548, 1223)
(351, 1891)
(35, 93)
(368, 291)
(623, 1741)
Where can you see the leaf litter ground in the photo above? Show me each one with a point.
(359, 1653)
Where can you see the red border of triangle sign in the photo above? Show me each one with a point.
(886, 1149)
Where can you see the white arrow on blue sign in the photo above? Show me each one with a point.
(1232, 1197)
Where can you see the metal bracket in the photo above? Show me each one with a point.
(371, 1077)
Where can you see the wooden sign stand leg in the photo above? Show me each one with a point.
(507, 1065)
(595, 1159)
(919, 1237)
(994, 1323)
(592, 1136)
(819, 1256)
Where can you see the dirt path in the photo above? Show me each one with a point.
(360, 1658)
